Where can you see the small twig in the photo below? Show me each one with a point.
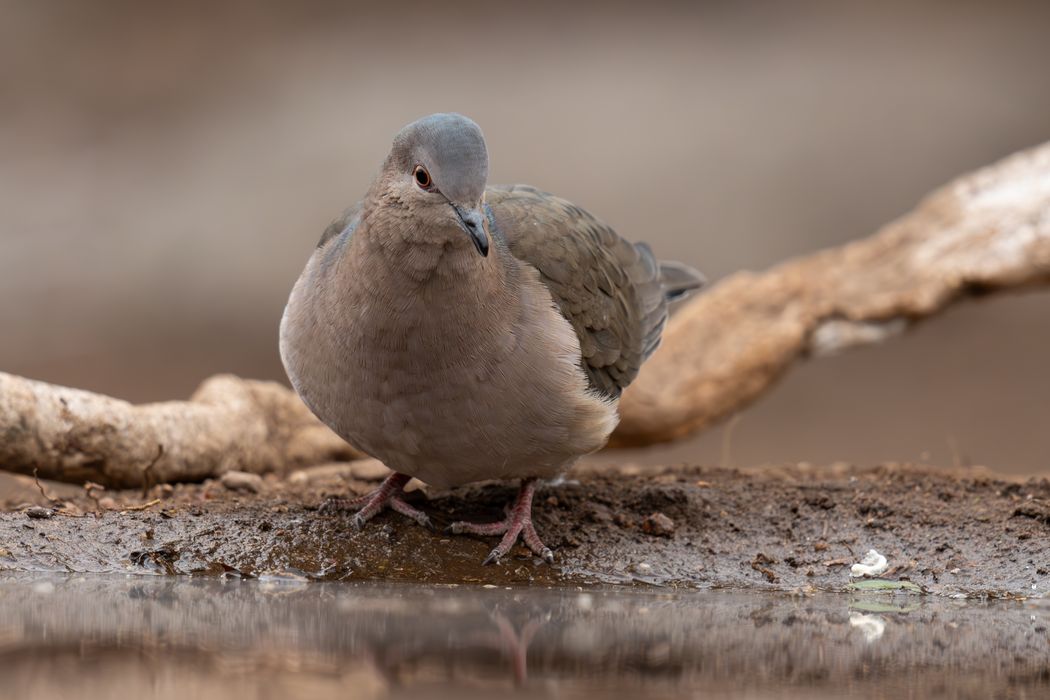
(92, 490)
(838, 562)
(727, 441)
(958, 460)
(147, 476)
(899, 569)
(142, 506)
(53, 501)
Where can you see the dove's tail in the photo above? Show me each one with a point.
(679, 281)
(663, 282)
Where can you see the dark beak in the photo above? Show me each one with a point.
(474, 224)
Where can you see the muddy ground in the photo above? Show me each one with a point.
(792, 528)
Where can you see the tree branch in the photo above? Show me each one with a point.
(229, 423)
(985, 232)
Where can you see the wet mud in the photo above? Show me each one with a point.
(961, 533)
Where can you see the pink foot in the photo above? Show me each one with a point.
(388, 495)
(518, 523)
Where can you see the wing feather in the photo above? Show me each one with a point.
(609, 289)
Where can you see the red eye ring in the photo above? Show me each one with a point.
(422, 178)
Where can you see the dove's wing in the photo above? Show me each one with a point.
(348, 220)
(614, 293)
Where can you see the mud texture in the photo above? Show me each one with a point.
(797, 528)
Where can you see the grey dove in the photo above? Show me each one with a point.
(460, 332)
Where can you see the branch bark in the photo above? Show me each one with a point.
(988, 231)
(985, 232)
(229, 423)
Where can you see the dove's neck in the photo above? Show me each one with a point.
(399, 302)
(432, 264)
(399, 287)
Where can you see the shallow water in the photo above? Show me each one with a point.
(165, 637)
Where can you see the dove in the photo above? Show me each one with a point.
(459, 331)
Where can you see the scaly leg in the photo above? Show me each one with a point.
(518, 523)
(388, 495)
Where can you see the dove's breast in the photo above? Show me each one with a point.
(460, 379)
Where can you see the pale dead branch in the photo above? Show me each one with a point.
(986, 232)
(229, 423)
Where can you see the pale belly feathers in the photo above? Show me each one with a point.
(447, 406)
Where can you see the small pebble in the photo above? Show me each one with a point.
(242, 481)
(658, 525)
(322, 473)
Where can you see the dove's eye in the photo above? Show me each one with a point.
(422, 177)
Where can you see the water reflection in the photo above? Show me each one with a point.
(176, 637)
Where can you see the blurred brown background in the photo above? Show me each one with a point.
(166, 169)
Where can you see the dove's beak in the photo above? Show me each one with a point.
(473, 223)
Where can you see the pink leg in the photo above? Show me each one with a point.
(388, 495)
(518, 523)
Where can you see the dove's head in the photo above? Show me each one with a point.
(438, 168)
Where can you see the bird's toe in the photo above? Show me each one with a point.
(415, 514)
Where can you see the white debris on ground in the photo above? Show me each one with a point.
(871, 626)
(872, 564)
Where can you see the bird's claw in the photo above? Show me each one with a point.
(499, 552)
(388, 495)
(517, 524)
(421, 518)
